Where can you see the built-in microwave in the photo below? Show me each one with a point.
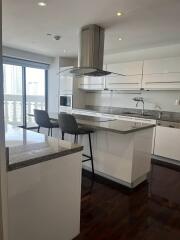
(66, 101)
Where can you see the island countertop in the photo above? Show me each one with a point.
(112, 125)
(26, 147)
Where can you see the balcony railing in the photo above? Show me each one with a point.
(13, 108)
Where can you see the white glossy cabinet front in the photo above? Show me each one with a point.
(131, 80)
(91, 83)
(66, 83)
(128, 68)
(162, 65)
(124, 82)
(167, 142)
(161, 74)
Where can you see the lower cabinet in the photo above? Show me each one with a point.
(167, 142)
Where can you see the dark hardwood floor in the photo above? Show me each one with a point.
(150, 212)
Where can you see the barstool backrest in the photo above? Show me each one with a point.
(67, 123)
(42, 118)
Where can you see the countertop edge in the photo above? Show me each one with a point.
(118, 131)
(34, 161)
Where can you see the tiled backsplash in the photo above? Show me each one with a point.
(151, 114)
(154, 100)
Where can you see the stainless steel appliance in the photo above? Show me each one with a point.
(66, 103)
(91, 53)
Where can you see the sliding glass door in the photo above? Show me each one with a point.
(24, 91)
(13, 94)
(35, 93)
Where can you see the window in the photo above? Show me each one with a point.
(13, 94)
(35, 92)
(24, 91)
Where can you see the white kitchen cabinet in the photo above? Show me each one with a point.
(124, 82)
(161, 81)
(161, 74)
(91, 83)
(131, 80)
(167, 142)
(66, 82)
(162, 65)
(128, 68)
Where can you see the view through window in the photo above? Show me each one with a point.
(24, 91)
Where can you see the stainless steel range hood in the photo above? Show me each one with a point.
(91, 53)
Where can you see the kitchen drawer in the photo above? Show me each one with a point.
(167, 142)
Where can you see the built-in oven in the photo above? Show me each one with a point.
(66, 100)
(65, 103)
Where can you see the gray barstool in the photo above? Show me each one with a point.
(68, 124)
(42, 119)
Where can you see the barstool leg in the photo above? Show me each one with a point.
(75, 138)
(91, 154)
(62, 136)
(51, 132)
(48, 131)
(38, 130)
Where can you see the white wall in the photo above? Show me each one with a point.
(149, 53)
(3, 171)
(54, 78)
(16, 53)
(165, 99)
(53, 86)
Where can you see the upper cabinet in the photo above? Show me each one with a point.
(163, 65)
(132, 79)
(91, 83)
(157, 74)
(161, 74)
(66, 83)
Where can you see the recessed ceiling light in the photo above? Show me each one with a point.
(64, 50)
(119, 14)
(42, 4)
(57, 37)
(120, 39)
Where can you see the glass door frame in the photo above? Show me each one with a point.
(15, 62)
(24, 96)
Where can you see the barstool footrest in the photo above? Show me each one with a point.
(85, 155)
(86, 160)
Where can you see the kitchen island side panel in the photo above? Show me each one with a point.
(44, 200)
(124, 158)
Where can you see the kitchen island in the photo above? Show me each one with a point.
(121, 149)
(44, 186)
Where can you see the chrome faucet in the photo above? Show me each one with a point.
(138, 100)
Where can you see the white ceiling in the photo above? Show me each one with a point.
(144, 24)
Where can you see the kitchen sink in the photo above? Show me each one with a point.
(137, 114)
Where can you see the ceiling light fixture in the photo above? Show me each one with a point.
(119, 14)
(42, 4)
(120, 39)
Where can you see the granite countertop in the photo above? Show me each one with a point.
(133, 112)
(111, 125)
(117, 126)
(28, 148)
